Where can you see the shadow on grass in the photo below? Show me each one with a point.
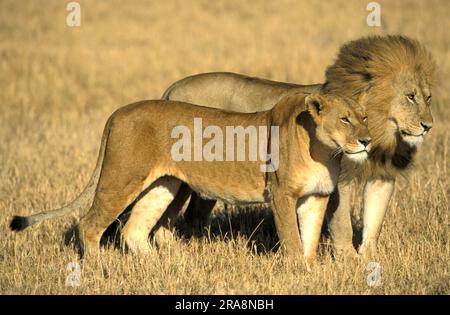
(254, 223)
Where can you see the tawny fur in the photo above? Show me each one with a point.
(377, 72)
(366, 70)
(139, 146)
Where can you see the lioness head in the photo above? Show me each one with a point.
(391, 76)
(341, 125)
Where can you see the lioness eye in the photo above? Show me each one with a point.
(429, 98)
(365, 119)
(345, 120)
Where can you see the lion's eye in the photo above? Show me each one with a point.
(365, 119)
(410, 96)
(345, 120)
(428, 98)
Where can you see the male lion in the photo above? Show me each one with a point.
(391, 76)
(137, 163)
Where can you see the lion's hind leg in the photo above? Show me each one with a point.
(147, 212)
(163, 233)
(109, 201)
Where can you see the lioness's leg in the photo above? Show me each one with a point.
(311, 212)
(286, 223)
(163, 230)
(377, 194)
(339, 221)
(147, 211)
(198, 212)
(109, 201)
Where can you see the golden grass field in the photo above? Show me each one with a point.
(59, 84)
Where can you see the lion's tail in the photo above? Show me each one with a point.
(84, 200)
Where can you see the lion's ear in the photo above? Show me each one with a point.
(314, 105)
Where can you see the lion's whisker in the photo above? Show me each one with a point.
(336, 153)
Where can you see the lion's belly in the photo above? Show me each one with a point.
(232, 182)
(232, 196)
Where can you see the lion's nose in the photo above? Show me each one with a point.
(365, 141)
(426, 125)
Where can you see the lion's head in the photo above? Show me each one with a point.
(341, 125)
(392, 77)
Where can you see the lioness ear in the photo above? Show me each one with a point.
(314, 104)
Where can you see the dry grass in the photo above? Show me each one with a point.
(59, 84)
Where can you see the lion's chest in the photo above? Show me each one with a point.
(317, 179)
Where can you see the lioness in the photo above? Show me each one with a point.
(136, 162)
(391, 76)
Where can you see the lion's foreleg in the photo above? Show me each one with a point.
(286, 223)
(147, 211)
(339, 221)
(377, 194)
(311, 212)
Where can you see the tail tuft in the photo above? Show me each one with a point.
(19, 223)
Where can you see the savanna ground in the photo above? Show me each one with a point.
(59, 84)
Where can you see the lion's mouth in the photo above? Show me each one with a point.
(358, 152)
(413, 139)
(359, 156)
(408, 134)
